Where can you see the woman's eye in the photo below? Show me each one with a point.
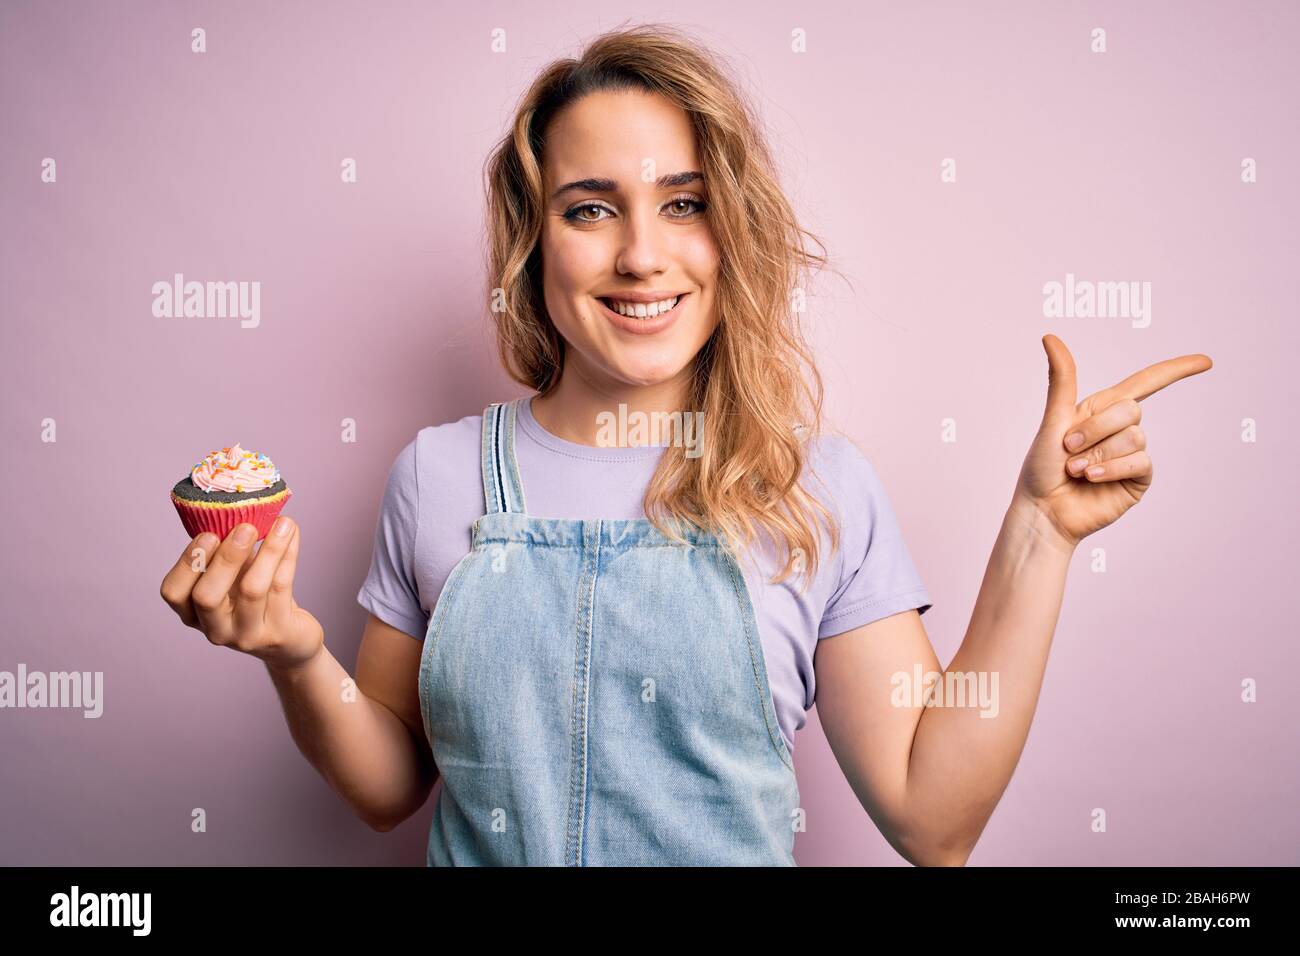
(678, 203)
(575, 213)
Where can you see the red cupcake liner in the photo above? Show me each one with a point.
(221, 520)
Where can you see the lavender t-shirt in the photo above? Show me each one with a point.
(435, 491)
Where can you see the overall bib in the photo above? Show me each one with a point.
(595, 694)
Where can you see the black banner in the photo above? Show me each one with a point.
(941, 906)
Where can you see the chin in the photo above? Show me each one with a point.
(644, 375)
(645, 364)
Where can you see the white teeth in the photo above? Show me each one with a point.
(641, 310)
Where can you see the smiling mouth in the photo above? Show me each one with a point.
(642, 311)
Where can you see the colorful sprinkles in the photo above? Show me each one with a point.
(221, 460)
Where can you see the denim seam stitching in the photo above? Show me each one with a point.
(577, 546)
(486, 464)
(586, 700)
(772, 733)
(436, 625)
(577, 748)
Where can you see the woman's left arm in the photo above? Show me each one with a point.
(930, 776)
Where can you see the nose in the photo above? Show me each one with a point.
(643, 246)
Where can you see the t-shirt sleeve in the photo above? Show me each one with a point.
(876, 576)
(390, 592)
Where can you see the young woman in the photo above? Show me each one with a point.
(605, 646)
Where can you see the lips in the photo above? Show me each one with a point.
(643, 326)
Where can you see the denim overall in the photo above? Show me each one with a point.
(595, 694)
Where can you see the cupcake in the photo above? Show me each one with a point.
(229, 487)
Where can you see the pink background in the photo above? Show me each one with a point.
(1120, 166)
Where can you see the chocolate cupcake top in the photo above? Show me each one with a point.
(186, 490)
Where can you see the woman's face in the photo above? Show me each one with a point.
(625, 223)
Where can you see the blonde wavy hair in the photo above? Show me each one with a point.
(749, 378)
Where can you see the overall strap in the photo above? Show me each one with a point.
(502, 488)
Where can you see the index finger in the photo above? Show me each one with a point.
(1153, 378)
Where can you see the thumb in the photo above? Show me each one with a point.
(1062, 389)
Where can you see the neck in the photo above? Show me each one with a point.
(571, 410)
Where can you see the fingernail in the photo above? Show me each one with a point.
(281, 527)
(244, 534)
(1076, 464)
(1074, 440)
(1095, 471)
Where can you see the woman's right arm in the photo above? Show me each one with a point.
(368, 744)
(367, 741)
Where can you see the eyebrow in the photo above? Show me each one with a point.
(667, 181)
